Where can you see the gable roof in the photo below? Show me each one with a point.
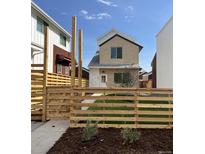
(95, 60)
(51, 20)
(111, 34)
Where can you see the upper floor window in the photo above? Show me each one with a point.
(40, 25)
(62, 40)
(116, 53)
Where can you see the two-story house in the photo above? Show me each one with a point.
(59, 42)
(117, 61)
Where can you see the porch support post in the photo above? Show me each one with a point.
(73, 51)
(80, 44)
(45, 71)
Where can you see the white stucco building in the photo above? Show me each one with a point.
(164, 56)
(59, 41)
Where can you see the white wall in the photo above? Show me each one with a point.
(38, 39)
(165, 56)
(94, 77)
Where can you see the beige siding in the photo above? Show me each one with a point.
(110, 76)
(130, 52)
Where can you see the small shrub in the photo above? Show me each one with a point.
(130, 135)
(89, 131)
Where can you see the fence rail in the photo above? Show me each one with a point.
(114, 107)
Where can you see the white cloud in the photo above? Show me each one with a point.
(90, 17)
(103, 15)
(107, 2)
(84, 12)
(130, 8)
(98, 16)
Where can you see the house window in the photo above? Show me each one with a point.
(121, 77)
(62, 40)
(116, 53)
(66, 70)
(103, 78)
(59, 69)
(40, 25)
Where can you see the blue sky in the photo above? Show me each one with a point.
(141, 19)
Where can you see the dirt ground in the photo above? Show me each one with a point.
(109, 141)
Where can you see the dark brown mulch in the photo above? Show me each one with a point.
(109, 141)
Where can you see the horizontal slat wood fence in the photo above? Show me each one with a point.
(37, 94)
(36, 91)
(58, 79)
(115, 107)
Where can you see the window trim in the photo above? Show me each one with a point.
(39, 20)
(105, 75)
(61, 66)
(67, 72)
(116, 56)
(64, 37)
(122, 77)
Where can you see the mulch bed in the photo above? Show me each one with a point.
(109, 141)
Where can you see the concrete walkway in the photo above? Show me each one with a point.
(36, 124)
(45, 136)
(90, 100)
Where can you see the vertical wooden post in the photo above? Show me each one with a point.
(169, 96)
(45, 71)
(136, 109)
(73, 51)
(73, 65)
(80, 50)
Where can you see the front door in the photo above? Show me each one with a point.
(103, 80)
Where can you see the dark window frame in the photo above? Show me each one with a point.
(40, 25)
(116, 52)
(103, 79)
(63, 40)
(121, 77)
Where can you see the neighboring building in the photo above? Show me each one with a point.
(163, 61)
(145, 79)
(154, 71)
(116, 62)
(59, 41)
(85, 73)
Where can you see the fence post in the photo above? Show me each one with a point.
(45, 71)
(136, 108)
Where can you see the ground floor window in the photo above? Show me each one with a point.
(66, 70)
(121, 77)
(59, 69)
(103, 78)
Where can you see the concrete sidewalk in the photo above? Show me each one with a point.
(90, 100)
(44, 137)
